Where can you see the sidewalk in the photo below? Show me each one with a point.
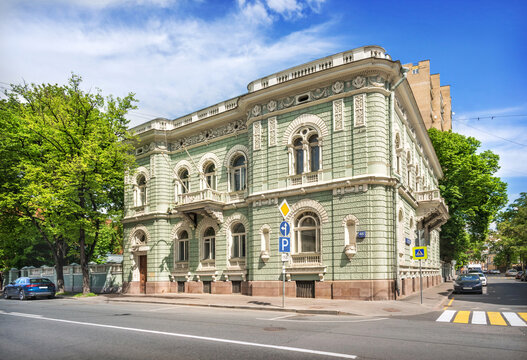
(433, 299)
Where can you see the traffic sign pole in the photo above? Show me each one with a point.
(283, 284)
(421, 280)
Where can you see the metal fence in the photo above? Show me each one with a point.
(104, 278)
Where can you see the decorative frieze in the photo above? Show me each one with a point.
(271, 128)
(359, 113)
(257, 135)
(367, 80)
(350, 189)
(338, 116)
(152, 167)
(208, 135)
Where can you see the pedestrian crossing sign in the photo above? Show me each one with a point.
(420, 253)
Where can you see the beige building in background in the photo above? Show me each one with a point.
(433, 100)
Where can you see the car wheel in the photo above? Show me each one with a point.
(5, 295)
(481, 292)
(21, 295)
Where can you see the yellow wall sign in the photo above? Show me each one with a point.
(284, 208)
(420, 252)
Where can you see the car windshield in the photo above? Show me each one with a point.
(40, 281)
(468, 277)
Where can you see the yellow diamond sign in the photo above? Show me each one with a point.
(284, 208)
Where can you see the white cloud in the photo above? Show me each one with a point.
(175, 65)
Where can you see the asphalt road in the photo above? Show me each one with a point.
(84, 329)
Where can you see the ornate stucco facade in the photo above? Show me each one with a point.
(340, 138)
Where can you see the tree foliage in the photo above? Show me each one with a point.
(69, 181)
(471, 191)
(512, 233)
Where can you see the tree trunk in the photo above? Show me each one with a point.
(58, 254)
(84, 263)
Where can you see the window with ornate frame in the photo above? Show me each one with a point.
(139, 238)
(182, 246)
(182, 185)
(140, 191)
(238, 245)
(409, 169)
(306, 151)
(307, 233)
(238, 173)
(210, 175)
(398, 149)
(209, 244)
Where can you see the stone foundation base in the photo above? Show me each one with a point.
(341, 290)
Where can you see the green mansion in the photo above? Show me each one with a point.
(341, 139)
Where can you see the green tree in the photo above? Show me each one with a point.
(471, 191)
(81, 139)
(512, 230)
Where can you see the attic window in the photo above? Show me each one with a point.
(302, 98)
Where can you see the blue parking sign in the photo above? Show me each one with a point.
(284, 244)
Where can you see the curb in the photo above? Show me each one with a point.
(242, 307)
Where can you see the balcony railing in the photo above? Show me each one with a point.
(237, 263)
(181, 266)
(307, 178)
(201, 195)
(306, 260)
(429, 195)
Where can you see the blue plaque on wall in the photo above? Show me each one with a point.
(361, 234)
(408, 241)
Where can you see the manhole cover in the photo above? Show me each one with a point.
(274, 328)
(391, 310)
(121, 314)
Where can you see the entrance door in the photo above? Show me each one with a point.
(142, 274)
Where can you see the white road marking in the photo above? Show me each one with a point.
(446, 316)
(280, 317)
(324, 321)
(205, 338)
(479, 317)
(164, 308)
(514, 319)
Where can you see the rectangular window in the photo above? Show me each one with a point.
(183, 251)
(208, 249)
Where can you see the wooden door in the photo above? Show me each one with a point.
(142, 274)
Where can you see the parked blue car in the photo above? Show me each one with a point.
(25, 287)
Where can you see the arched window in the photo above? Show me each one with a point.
(305, 151)
(209, 244)
(139, 238)
(238, 241)
(210, 176)
(314, 152)
(299, 156)
(417, 177)
(408, 169)
(182, 246)
(140, 191)
(238, 173)
(307, 233)
(398, 153)
(184, 181)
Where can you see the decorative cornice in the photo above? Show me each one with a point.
(365, 80)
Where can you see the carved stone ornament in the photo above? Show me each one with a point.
(264, 255)
(377, 81)
(358, 115)
(350, 250)
(318, 93)
(271, 105)
(337, 115)
(337, 87)
(359, 82)
(257, 135)
(272, 125)
(288, 101)
(257, 109)
(210, 134)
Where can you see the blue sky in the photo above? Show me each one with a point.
(179, 56)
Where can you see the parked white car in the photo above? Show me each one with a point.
(511, 272)
(482, 276)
